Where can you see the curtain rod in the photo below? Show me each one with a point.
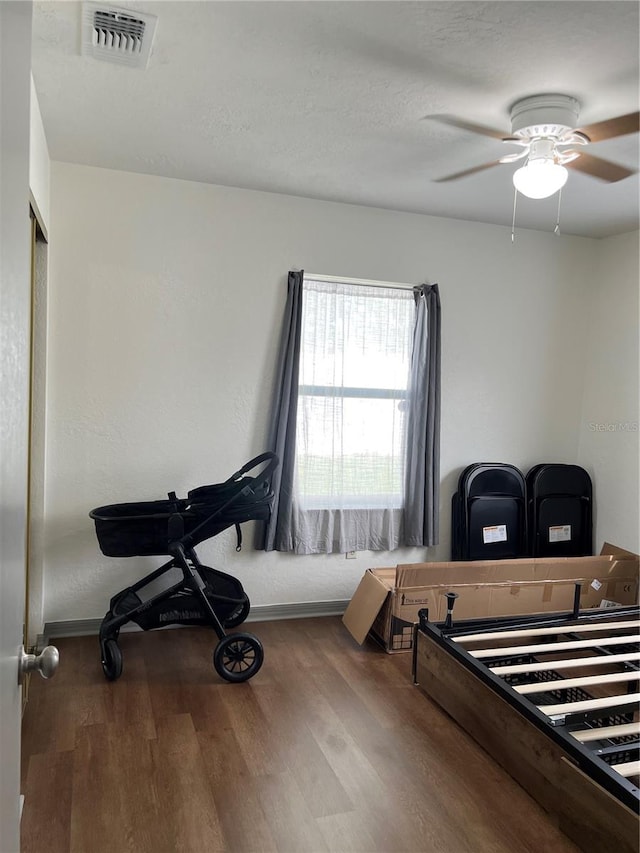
(362, 282)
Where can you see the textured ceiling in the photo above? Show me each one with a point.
(328, 99)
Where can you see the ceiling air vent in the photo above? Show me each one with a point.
(117, 35)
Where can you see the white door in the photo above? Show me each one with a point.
(15, 65)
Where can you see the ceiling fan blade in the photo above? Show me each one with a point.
(511, 158)
(573, 137)
(467, 125)
(471, 171)
(612, 127)
(566, 157)
(599, 168)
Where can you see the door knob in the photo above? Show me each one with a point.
(46, 663)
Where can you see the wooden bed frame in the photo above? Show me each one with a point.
(553, 699)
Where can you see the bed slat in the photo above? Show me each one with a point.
(496, 651)
(563, 629)
(565, 663)
(629, 768)
(606, 732)
(590, 704)
(566, 683)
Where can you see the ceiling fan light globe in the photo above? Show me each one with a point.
(540, 178)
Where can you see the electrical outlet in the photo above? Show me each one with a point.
(350, 555)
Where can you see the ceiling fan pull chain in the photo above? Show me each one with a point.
(556, 230)
(513, 221)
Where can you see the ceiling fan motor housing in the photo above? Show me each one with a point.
(544, 116)
(542, 149)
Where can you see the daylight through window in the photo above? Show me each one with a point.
(355, 360)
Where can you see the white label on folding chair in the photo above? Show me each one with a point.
(497, 533)
(595, 583)
(560, 533)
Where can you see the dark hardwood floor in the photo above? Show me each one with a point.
(329, 748)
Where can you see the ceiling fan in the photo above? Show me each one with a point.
(545, 127)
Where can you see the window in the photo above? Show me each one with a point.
(356, 418)
(355, 359)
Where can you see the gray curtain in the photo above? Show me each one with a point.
(282, 433)
(422, 473)
(290, 529)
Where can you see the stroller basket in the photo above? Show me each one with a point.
(225, 594)
(149, 528)
(203, 596)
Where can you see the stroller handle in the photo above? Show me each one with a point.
(265, 474)
(263, 477)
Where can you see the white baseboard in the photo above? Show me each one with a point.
(259, 613)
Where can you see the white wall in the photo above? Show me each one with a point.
(166, 301)
(39, 164)
(609, 434)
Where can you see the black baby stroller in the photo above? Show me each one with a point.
(202, 596)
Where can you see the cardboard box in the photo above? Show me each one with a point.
(386, 602)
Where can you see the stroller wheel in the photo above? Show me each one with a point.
(239, 614)
(111, 660)
(238, 657)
